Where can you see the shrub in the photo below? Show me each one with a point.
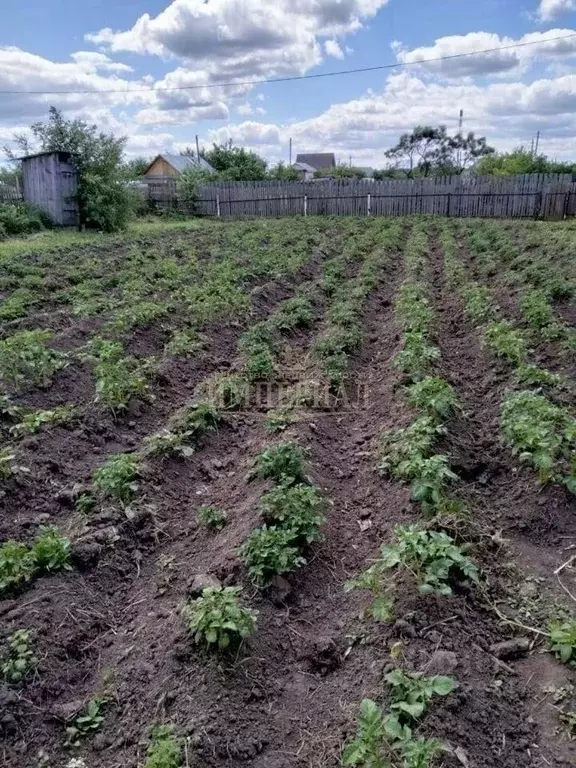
(295, 508)
(212, 517)
(269, 552)
(282, 463)
(25, 358)
(116, 478)
(21, 219)
(217, 619)
(164, 750)
(20, 660)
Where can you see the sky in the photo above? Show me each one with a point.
(131, 56)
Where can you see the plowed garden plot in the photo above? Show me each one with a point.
(292, 493)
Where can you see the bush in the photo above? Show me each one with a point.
(21, 219)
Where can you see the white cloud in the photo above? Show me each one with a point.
(253, 38)
(542, 46)
(91, 61)
(244, 109)
(551, 9)
(332, 48)
(509, 114)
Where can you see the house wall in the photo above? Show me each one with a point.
(161, 168)
(48, 181)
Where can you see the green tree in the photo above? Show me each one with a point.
(429, 151)
(235, 163)
(135, 168)
(103, 201)
(521, 160)
(283, 172)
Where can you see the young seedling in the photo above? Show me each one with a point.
(165, 749)
(217, 618)
(117, 477)
(212, 517)
(20, 661)
(563, 641)
(37, 420)
(86, 723)
(51, 551)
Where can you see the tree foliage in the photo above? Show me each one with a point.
(340, 172)
(235, 163)
(430, 151)
(104, 202)
(521, 160)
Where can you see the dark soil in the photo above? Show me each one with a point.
(289, 697)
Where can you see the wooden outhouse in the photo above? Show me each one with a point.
(49, 183)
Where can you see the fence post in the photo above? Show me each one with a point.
(538, 205)
(368, 207)
(218, 206)
(449, 204)
(566, 204)
(305, 205)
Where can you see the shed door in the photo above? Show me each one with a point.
(68, 188)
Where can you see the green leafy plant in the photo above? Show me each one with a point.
(165, 749)
(120, 380)
(117, 477)
(366, 750)
(19, 661)
(507, 342)
(536, 309)
(478, 301)
(35, 421)
(168, 443)
(412, 692)
(198, 418)
(217, 618)
(413, 308)
(25, 358)
(282, 463)
(434, 395)
(51, 551)
(184, 343)
(533, 375)
(293, 313)
(86, 723)
(417, 356)
(231, 391)
(17, 565)
(212, 517)
(295, 508)
(279, 420)
(268, 552)
(541, 433)
(85, 503)
(563, 641)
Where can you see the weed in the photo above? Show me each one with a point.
(116, 478)
(433, 395)
(268, 552)
(26, 359)
(282, 463)
(164, 750)
(20, 660)
(563, 641)
(507, 342)
(86, 723)
(35, 421)
(295, 508)
(217, 618)
(212, 517)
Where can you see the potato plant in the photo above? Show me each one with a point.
(217, 618)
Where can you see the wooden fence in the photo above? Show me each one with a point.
(545, 196)
(10, 193)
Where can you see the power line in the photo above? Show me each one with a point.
(380, 67)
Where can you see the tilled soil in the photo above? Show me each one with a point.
(288, 699)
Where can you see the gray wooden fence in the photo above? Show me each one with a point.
(529, 196)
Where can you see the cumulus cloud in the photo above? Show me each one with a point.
(332, 48)
(507, 113)
(551, 9)
(541, 45)
(253, 38)
(93, 61)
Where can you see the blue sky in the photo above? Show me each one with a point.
(144, 46)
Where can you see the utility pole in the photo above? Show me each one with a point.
(461, 121)
(197, 152)
(350, 160)
(537, 142)
(460, 124)
(290, 151)
(532, 149)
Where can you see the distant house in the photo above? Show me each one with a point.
(167, 166)
(305, 171)
(317, 160)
